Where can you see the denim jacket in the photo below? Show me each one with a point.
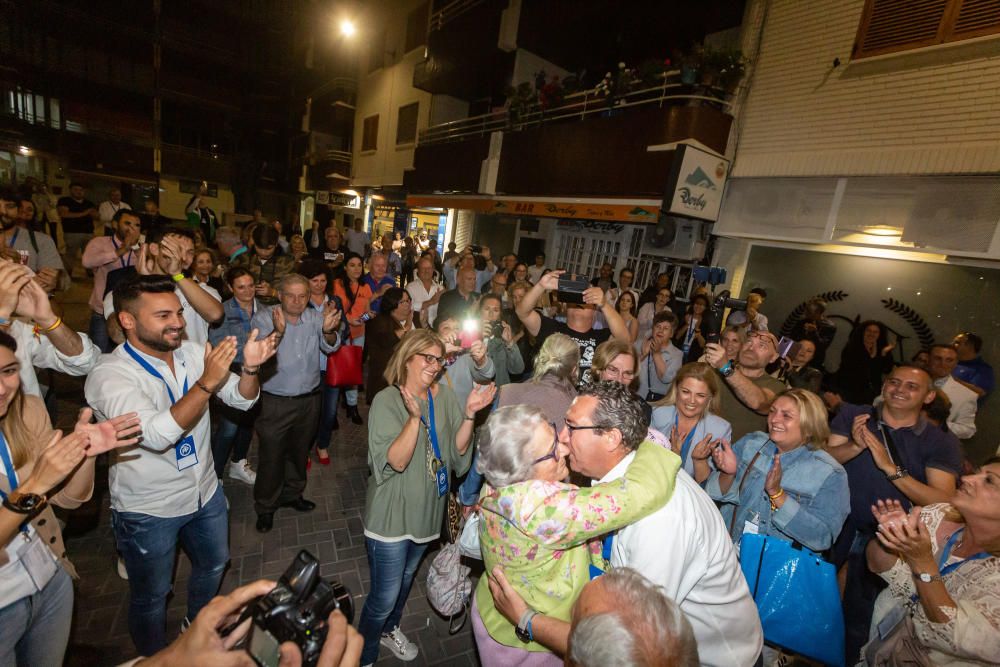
(817, 500)
(234, 323)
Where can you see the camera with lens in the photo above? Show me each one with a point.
(492, 329)
(296, 611)
(711, 324)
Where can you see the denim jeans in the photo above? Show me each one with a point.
(327, 413)
(393, 566)
(98, 331)
(35, 629)
(860, 590)
(149, 546)
(468, 490)
(234, 433)
(351, 393)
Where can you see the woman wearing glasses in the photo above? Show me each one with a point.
(418, 435)
(538, 528)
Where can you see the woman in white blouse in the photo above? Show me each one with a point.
(650, 310)
(36, 596)
(942, 563)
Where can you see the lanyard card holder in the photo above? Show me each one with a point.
(440, 469)
(37, 560)
(186, 453)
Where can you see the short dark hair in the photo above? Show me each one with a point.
(157, 234)
(122, 212)
(7, 194)
(618, 408)
(941, 346)
(759, 290)
(8, 341)
(311, 268)
(665, 316)
(391, 300)
(128, 291)
(236, 272)
(490, 296)
(974, 339)
(265, 236)
(75, 184)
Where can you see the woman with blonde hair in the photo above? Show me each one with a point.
(781, 482)
(687, 414)
(418, 434)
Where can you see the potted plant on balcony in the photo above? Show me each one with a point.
(520, 101)
(722, 69)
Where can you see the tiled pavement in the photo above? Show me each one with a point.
(332, 532)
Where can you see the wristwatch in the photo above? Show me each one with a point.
(24, 503)
(727, 370)
(899, 474)
(523, 629)
(926, 577)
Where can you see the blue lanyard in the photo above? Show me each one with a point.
(13, 239)
(687, 441)
(431, 430)
(120, 259)
(946, 553)
(152, 371)
(8, 465)
(689, 335)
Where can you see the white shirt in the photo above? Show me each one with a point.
(684, 546)
(962, 418)
(419, 294)
(195, 326)
(106, 211)
(535, 273)
(39, 351)
(145, 478)
(356, 241)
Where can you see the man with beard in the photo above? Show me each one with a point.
(749, 390)
(289, 413)
(107, 255)
(34, 249)
(164, 491)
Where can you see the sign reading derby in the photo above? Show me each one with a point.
(694, 187)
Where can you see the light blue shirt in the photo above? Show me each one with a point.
(663, 420)
(293, 370)
(817, 499)
(649, 379)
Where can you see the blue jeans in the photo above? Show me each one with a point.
(35, 629)
(393, 566)
(468, 490)
(351, 393)
(234, 433)
(149, 546)
(327, 413)
(98, 331)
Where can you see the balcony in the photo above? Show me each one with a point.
(585, 146)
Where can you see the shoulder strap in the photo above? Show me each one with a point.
(34, 241)
(739, 490)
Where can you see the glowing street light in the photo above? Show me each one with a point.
(347, 28)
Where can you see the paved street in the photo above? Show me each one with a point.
(332, 533)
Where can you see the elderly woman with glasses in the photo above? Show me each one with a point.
(540, 529)
(418, 435)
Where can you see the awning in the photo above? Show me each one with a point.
(619, 210)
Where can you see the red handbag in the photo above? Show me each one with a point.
(343, 367)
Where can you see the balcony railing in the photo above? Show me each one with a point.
(450, 12)
(574, 106)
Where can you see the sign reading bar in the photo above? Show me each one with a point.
(574, 210)
(695, 184)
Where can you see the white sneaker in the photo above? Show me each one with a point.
(401, 647)
(122, 572)
(242, 471)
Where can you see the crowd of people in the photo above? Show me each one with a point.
(614, 450)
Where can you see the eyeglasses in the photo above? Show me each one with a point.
(617, 374)
(553, 453)
(592, 427)
(431, 359)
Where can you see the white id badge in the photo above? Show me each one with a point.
(38, 560)
(750, 528)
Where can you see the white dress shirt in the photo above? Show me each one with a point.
(535, 273)
(106, 211)
(39, 351)
(418, 294)
(195, 326)
(962, 418)
(145, 478)
(684, 546)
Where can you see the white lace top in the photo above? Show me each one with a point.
(972, 634)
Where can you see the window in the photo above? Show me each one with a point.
(376, 52)
(416, 27)
(891, 26)
(369, 134)
(406, 124)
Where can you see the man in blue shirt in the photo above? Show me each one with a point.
(890, 452)
(972, 370)
(289, 413)
(378, 279)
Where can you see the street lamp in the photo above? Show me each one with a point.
(347, 28)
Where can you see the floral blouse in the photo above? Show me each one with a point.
(972, 634)
(541, 534)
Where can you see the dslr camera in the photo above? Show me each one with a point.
(711, 323)
(296, 610)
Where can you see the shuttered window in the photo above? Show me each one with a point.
(891, 26)
(369, 134)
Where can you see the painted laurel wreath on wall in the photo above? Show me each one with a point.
(913, 318)
(796, 314)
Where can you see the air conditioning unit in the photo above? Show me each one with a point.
(676, 237)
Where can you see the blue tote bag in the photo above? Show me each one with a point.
(797, 597)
